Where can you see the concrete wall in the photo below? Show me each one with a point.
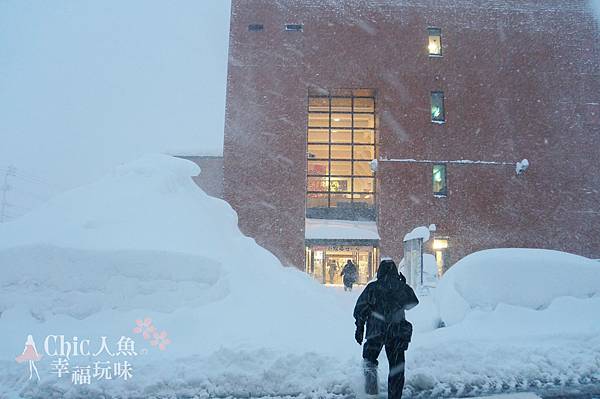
(210, 178)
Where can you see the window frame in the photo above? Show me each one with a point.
(433, 31)
(256, 28)
(444, 192)
(352, 95)
(294, 27)
(442, 119)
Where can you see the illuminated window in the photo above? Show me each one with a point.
(256, 27)
(440, 247)
(294, 27)
(435, 42)
(341, 145)
(439, 180)
(438, 114)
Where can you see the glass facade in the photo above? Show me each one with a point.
(341, 143)
(326, 262)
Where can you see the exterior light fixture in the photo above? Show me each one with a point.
(522, 167)
(439, 244)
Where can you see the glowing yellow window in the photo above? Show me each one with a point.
(440, 247)
(364, 185)
(341, 120)
(318, 104)
(340, 184)
(364, 136)
(341, 152)
(341, 136)
(435, 42)
(318, 136)
(439, 244)
(364, 152)
(341, 168)
(318, 151)
(362, 169)
(341, 104)
(318, 120)
(364, 105)
(364, 121)
(318, 184)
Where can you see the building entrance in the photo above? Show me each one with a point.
(325, 263)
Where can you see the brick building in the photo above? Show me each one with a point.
(447, 96)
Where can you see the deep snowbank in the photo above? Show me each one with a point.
(147, 237)
(146, 242)
(530, 278)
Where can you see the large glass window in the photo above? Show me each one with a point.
(341, 144)
(439, 180)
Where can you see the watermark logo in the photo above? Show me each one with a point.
(103, 359)
(30, 355)
(150, 332)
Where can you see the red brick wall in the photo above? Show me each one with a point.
(520, 78)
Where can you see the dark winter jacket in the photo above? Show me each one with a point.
(350, 273)
(382, 304)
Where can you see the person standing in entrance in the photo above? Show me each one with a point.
(381, 307)
(350, 275)
(333, 267)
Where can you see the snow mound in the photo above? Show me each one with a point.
(122, 280)
(530, 278)
(146, 240)
(320, 229)
(418, 232)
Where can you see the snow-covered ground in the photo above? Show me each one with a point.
(145, 243)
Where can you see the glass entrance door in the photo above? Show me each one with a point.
(325, 263)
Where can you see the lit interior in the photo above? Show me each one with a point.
(325, 263)
(439, 244)
(439, 179)
(437, 107)
(341, 145)
(435, 42)
(440, 247)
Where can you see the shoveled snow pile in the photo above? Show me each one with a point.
(530, 278)
(145, 241)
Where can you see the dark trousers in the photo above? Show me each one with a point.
(394, 349)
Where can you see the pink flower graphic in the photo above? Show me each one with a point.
(149, 331)
(161, 340)
(144, 327)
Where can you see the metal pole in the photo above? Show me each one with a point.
(421, 245)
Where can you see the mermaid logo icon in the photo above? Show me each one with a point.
(31, 355)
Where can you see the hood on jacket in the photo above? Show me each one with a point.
(387, 270)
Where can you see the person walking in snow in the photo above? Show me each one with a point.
(350, 275)
(381, 307)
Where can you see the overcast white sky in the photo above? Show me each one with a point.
(88, 84)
